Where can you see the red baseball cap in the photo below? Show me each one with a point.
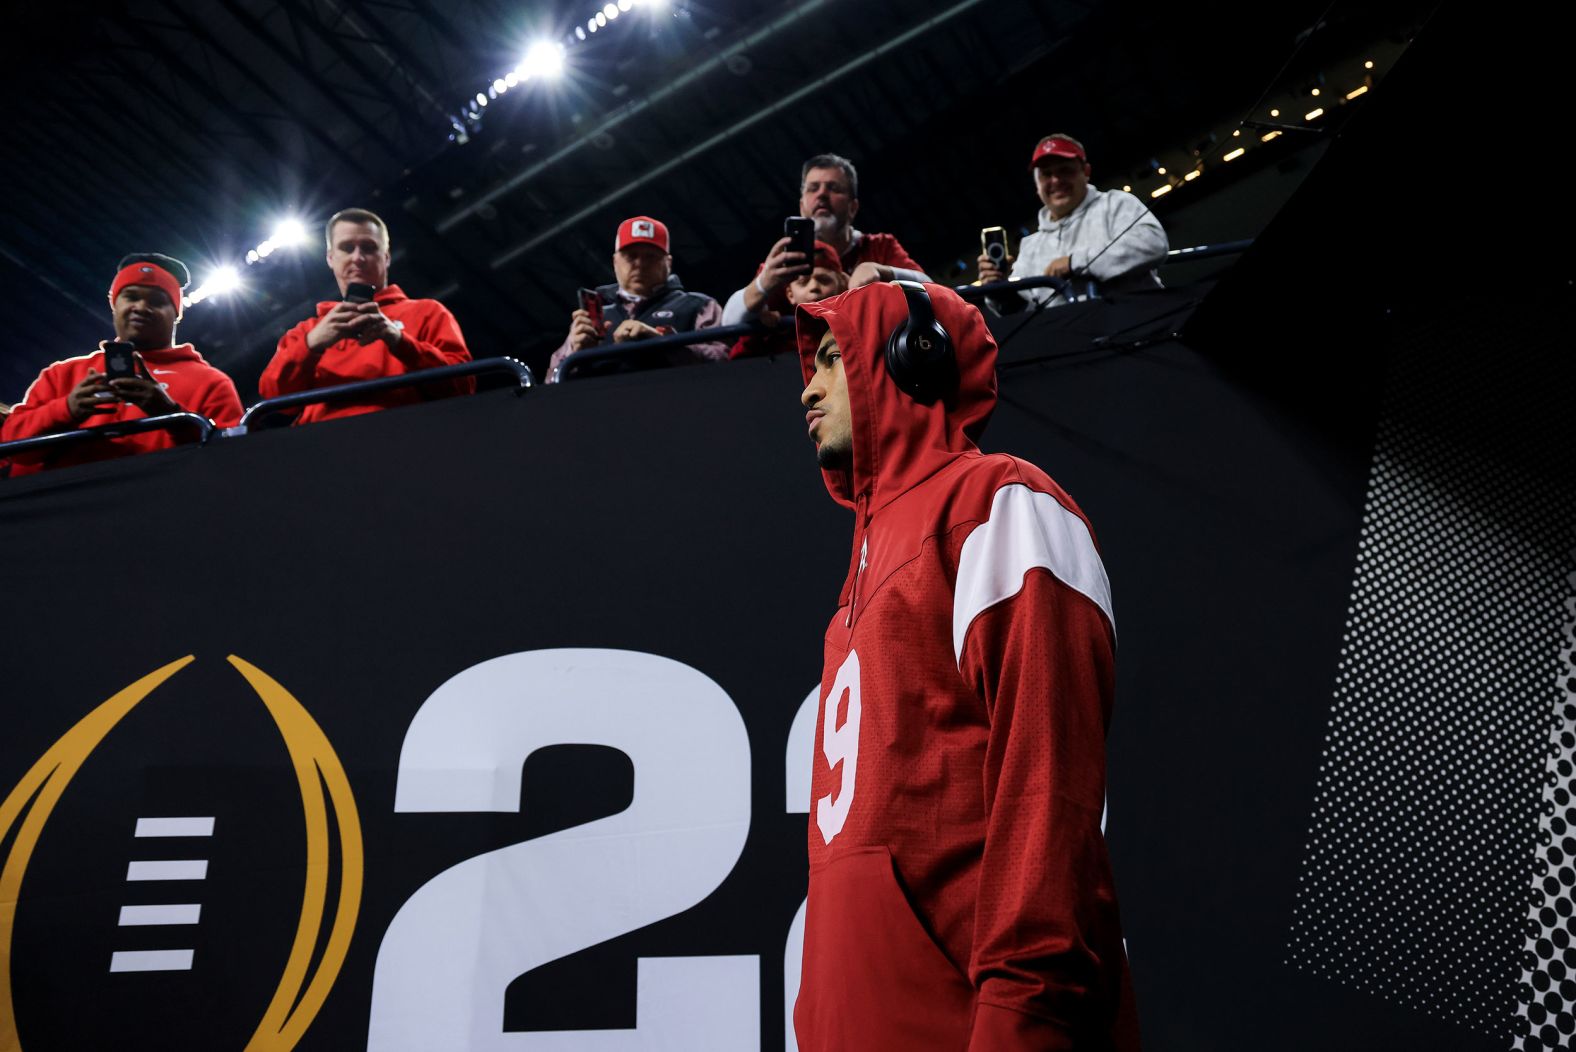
(642, 230)
(1058, 146)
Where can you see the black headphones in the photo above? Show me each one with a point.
(919, 354)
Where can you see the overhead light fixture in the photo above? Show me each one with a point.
(1234, 154)
(1274, 113)
(1314, 92)
(1160, 191)
(1194, 174)
(289, 233)
(1267, 136)
(1361, 89)
(1369, 64)
(220, 281)
(611, 11)
(1313, 114)
(1160, 171)
(544, 59)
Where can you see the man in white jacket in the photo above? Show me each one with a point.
(1085, 232)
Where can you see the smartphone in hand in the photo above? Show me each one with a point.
(801, 237)
(591, 303)
(359, 292)
(993, 242)
(120, 360)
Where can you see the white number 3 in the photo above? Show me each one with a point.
(840, 745)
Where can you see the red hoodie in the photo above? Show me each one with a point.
(431, 337)
(190, 381)
(960, 893)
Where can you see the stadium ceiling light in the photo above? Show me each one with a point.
(1274, 113)
(221, 280)
(1313, 114)
(1361, 89)
(1194, 174)
(1234, 154)
(544, 60)
(1160, 191)
(290, 232)
(1161, 170)
(1267, 136)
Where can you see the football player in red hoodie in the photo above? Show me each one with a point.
(145, 305)
(960, 895)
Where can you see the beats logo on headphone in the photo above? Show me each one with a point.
(919, 353)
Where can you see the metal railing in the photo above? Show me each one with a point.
(354, 391)
(577, 364)
(103, 432)
(633, 352)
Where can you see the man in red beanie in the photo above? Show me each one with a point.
(646, 300)
(960, 892)
(145, 305)
(389, 334)
(826, 278)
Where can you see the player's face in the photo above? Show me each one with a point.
(826, 398)
(816, 285)
(144, 317)
(641, 269)
(360, 254)
(1062, 183)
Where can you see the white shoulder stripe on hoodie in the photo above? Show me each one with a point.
(1025, 529)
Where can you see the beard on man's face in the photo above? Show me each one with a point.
(831, 457)
(827, 226)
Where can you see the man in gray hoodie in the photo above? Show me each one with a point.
(1085, 232)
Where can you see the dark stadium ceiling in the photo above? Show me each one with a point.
(193, 128)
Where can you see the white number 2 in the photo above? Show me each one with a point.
(456, 945)
(841, 745)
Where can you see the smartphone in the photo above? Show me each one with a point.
(993, 242)
(801, 235)
(358, 292)
(591, 303)
(120, 360)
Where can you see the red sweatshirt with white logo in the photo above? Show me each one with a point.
(430, 337)
(960, 896)
(191, 382)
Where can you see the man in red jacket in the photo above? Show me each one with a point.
(145, 305)
(388, 335)
(960, 893)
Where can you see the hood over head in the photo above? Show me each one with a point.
(897, 442)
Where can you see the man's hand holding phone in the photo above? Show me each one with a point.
(91, 395)
(583, 332)
(342, 321)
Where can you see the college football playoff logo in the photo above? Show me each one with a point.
(328, 808)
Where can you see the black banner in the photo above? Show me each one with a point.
(478, 725)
